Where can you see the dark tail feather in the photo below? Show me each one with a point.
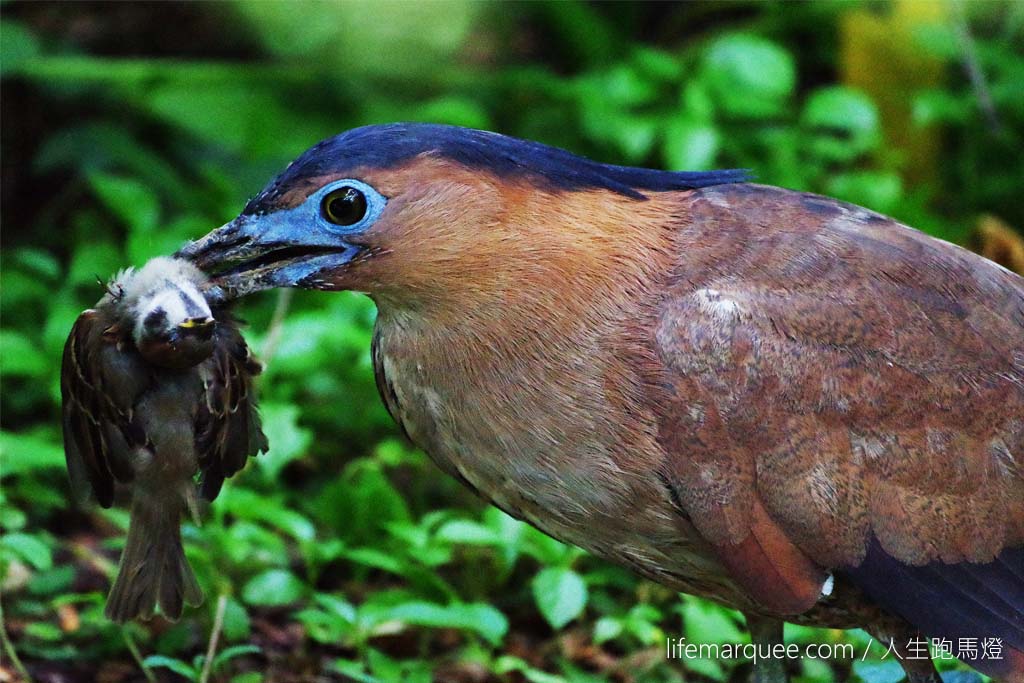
(153, 569)
(981, 603)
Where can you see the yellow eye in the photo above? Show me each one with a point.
(344, 206)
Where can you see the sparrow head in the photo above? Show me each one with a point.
(170, 320)
(416, 209)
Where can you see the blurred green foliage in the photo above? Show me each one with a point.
(128, 129)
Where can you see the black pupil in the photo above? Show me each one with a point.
(345, 206)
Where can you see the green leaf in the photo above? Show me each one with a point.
(414, 39)
(709, 668)
(533, 675)
(961, 677)
(11, 518)
(361, 504)
(28, 548)
(658, 65)
(128, 199)
(21, 453)
(407, 671)
(749, 76)
(287, 439)
(42, 264)
(939, 39)
(934, 106)
(251, 543)
(273, 587)
(382, 666)
(248, 677)
(479, 617)
(230, 653)
(624, 86)
(560, 594)
(102, 146)
(337, 607)
(44, 631)
(247, 504)
(846, 121)
(17, 46)
(507, 664)
(250, 118)
(176, 665)
(876, 190)
(144, 245)
(21, 357)
(641, 622)
(22, 292)
(52, 581)
(332, 622)
(697, 104)
(354, 670)
(236, 621)
(889, 671)
(706, 622)
(94, 260)
(635, 135)
(378, 559)
(468, 532)
(62, 313)
(607, 628)
(544, 548)
(454, 110)
(690, 146)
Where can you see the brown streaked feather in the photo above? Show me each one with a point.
(782, 319)
(525, 390)
(99, 386)
(870, 377)
(228, 428)
(775, 572)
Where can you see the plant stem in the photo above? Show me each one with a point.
(9, 647)
(284, 299)
(973, 67)
(134, 649)
(211, 648)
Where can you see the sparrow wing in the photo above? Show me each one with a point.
(228, 427)
(99, 385)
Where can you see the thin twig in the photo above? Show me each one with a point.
(94, 559)
(133, 647)
(9, 648)
(972, 65)
(211, 649)
(284, 300)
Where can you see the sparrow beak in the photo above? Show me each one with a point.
(280, 249)
(200, 328)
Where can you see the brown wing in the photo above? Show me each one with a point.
(228, 427)
(849, 377)
(99, 386)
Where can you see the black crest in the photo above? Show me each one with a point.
(386, 146)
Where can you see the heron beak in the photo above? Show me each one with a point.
(253, 253)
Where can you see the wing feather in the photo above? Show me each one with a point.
(228, 429)
(857, 378)
(99, 385)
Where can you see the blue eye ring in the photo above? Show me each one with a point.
(347, 205)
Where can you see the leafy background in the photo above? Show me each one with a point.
(344, 554)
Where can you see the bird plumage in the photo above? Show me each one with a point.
(155, 390)
(863, 385)
(739, 391)
(390, 146)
